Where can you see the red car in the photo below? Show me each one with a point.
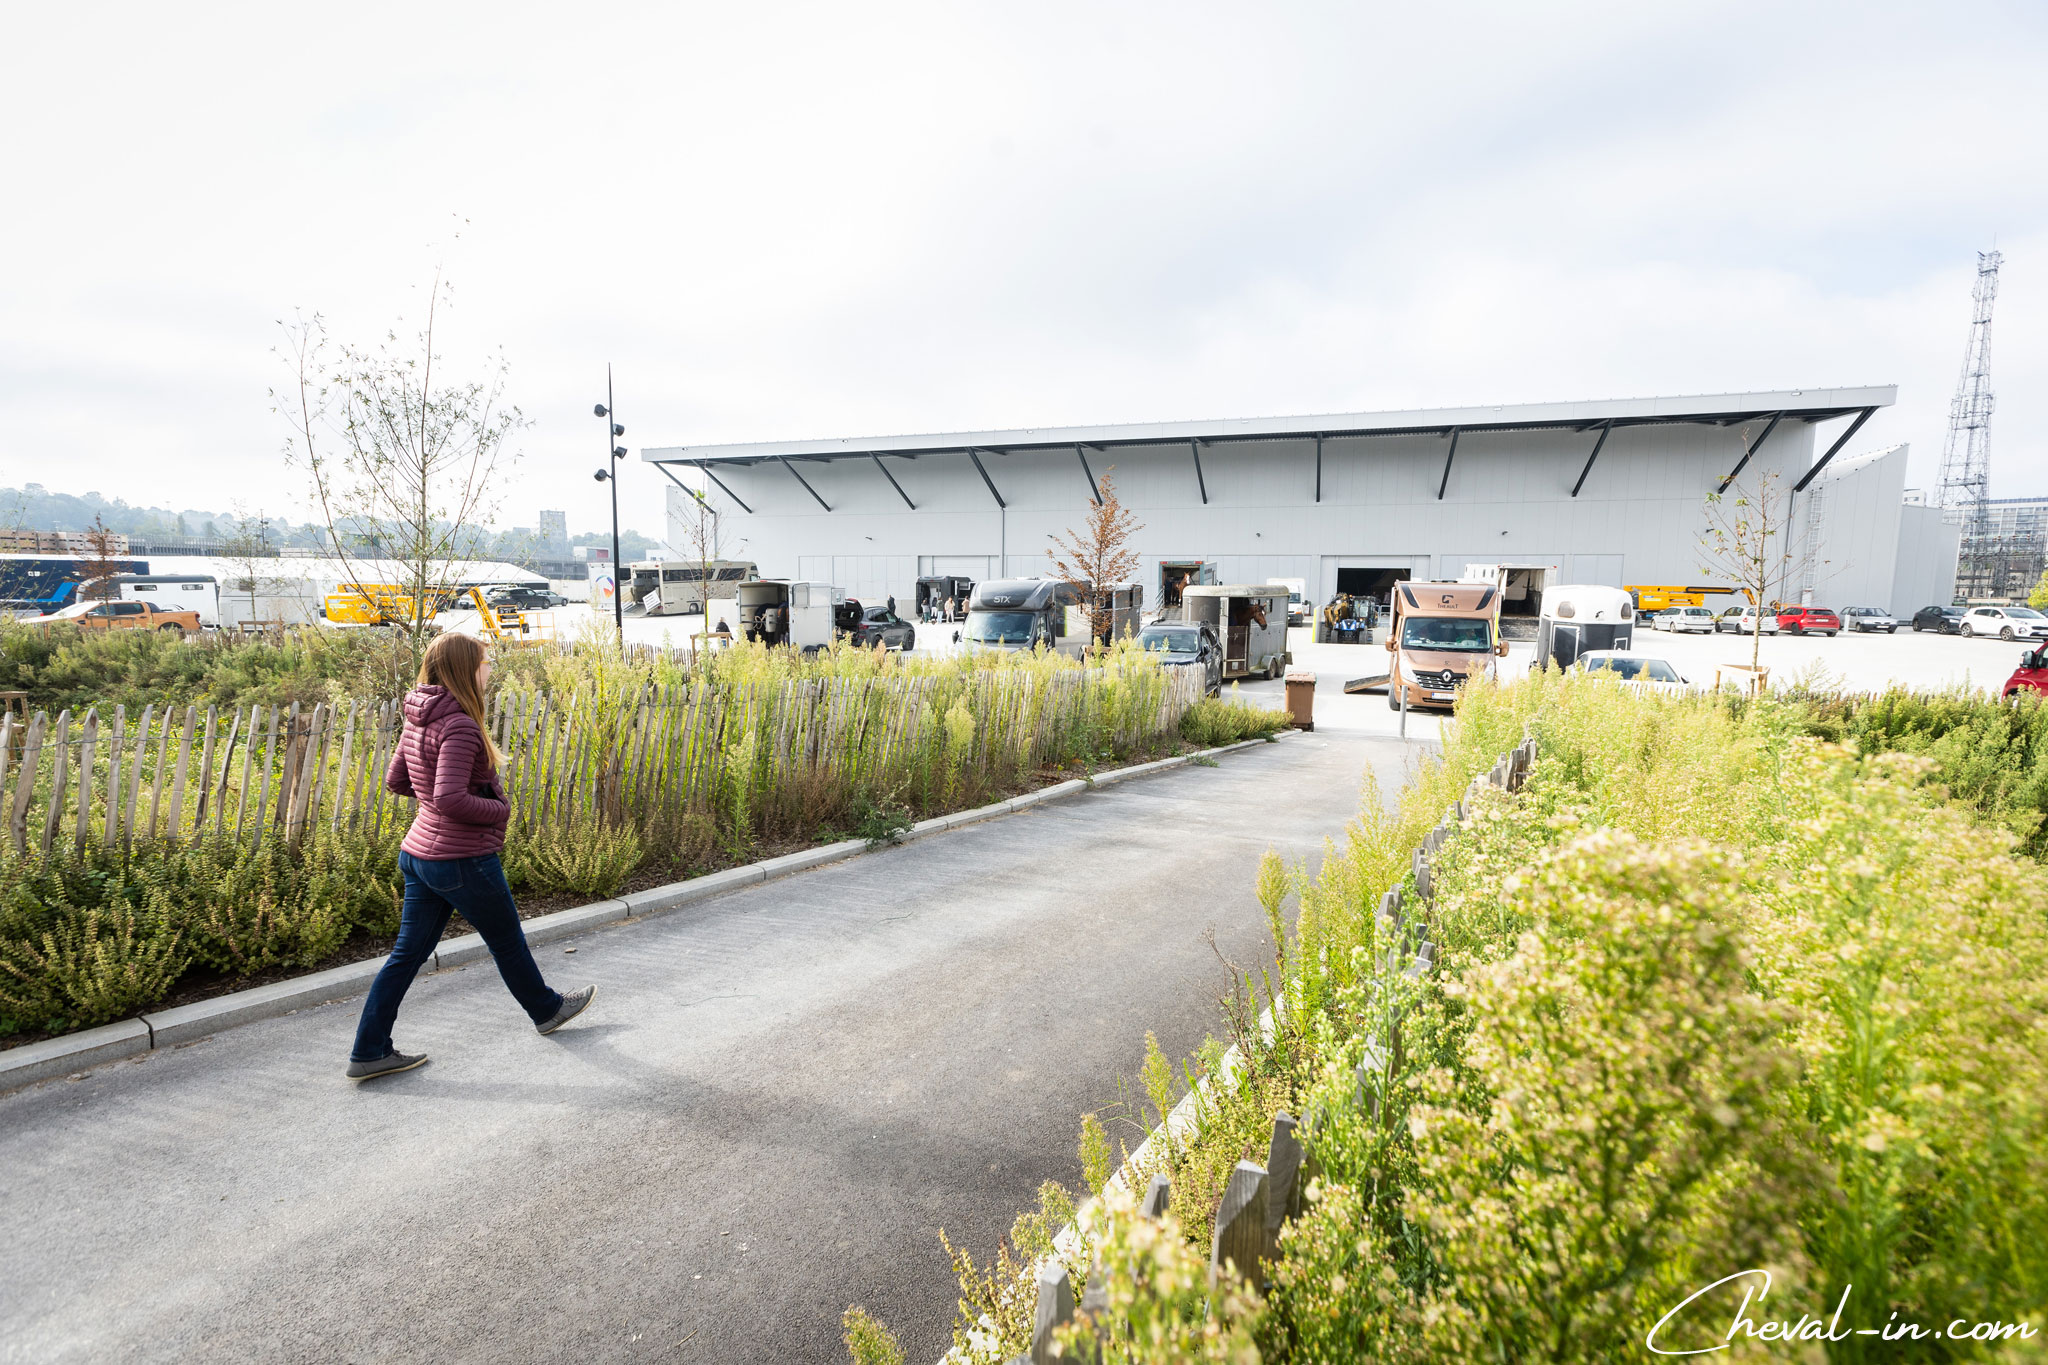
(2030, 676)
(1797, 620)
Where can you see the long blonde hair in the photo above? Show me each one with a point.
(451, 661)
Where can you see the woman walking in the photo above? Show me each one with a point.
(446, 762)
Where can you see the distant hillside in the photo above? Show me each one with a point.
(34, 507)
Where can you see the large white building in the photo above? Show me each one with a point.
(1609, 492)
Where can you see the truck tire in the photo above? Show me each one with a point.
(172, 625)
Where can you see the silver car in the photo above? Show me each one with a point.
(1743, 621)
(1869, 618)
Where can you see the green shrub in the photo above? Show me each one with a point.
(246, 912)
(585, 856)
(867, 1341)
(1213, 721)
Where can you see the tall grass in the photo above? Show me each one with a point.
(1713, 994)
(648, 764)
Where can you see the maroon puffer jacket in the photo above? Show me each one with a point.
(442, 763)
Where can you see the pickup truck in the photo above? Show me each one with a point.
(124, 616)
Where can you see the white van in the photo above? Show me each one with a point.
(174, 592)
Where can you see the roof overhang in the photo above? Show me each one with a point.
(1729, 409)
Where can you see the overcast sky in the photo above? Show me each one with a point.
(782, 220)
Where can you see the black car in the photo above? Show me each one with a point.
(1187, 644)
(880, 626)
(525, 599)
(1943, 619)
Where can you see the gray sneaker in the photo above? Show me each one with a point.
(573, 1004)
(389, 1065)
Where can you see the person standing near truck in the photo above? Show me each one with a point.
(447, 763)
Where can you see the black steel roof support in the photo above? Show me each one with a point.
(1094, 489)
(1195, 449)
(802, 480)
(986, 479)
(1449, 455)
(892, 482)
(1840, 441)
(714, 478)
(1319, 469)
(1754, 446)
(685, 487)
(1605, 427)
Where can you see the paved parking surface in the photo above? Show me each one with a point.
(776, 1101)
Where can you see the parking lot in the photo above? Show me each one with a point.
(1850, 661)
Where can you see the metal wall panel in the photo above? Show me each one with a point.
(1642, 502)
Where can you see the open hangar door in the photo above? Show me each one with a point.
(1364, 576)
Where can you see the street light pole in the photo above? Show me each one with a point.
(611, 472)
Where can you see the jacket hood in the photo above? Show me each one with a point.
(425, 705)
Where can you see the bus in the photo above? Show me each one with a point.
(675, 587)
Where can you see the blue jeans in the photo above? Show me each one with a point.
(434, 889)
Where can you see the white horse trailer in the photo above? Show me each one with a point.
(1576, 618)
(778, 611)
(1250, 621)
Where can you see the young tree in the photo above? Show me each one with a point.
(102, 562)
(402, 461)
(247, 548)
(1751, 538)
(703, 540)
(1098, 554)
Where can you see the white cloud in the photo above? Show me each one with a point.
(793, 220)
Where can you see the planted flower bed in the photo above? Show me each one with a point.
(196, 841)
(1709, 999)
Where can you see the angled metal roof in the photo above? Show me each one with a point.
(1727, 409)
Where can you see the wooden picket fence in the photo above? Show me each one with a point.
(176, 774)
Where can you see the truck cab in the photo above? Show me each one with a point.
(1442, 635)
(1024, 613)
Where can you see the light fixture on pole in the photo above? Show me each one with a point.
(610, 472)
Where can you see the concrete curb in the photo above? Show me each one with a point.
(73, 1052)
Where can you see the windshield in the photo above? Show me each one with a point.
(1647, 670)
(2024, 613)
(998, 627)
(1172, 641)
(1445, 632)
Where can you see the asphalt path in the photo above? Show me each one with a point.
(777, 1100)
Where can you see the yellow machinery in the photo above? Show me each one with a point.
(1655, 598)
(369, 604)
(506, 625)
(388, 604)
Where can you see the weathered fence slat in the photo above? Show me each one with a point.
(88, 740)
(25, 785)
(60, 778)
